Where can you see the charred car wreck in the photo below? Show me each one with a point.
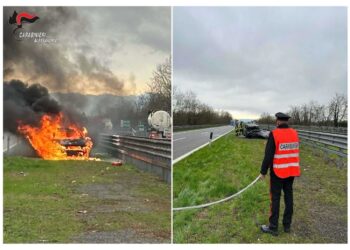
(76, 147)
(252, 130)
(75, 144)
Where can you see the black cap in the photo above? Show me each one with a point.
(281, 116)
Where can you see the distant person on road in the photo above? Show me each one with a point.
(239, 128)
(282, 158)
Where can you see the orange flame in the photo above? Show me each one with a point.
(53, 141)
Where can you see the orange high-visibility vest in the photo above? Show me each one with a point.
(286, 158)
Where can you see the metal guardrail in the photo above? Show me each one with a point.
(325, 129)
(152, 155)
(329, 142)
(332, 143)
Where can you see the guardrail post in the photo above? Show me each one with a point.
(210, 137)
(8, 145)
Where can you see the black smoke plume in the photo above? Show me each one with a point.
(26, 103)
(61, 63)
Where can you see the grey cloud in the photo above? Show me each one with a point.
(150, 26)
(260, 59)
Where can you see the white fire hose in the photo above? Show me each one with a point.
(219, 201)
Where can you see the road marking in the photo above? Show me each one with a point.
(11, 146)
(180, 139)
(202, 146)
(182, 132)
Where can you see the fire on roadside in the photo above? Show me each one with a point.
(52, 140)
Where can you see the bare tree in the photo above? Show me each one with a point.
(333, 114)
(338, 107)
(305, 114)
(295, 114)
(318, 112)
(266, 118)
(190, 102)
(160, 87)
(178, 99)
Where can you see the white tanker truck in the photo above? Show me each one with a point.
(160, 123)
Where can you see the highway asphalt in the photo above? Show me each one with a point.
(13, 141)
(187, 141)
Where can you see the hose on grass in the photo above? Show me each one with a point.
(219, 201)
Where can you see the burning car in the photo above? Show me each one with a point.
(54, 139)
(252, 130)
(76, 147)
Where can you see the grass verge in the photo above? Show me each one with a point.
(229, 165)
(64, 201)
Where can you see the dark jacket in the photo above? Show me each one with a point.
(270, 152)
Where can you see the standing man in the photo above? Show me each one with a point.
(236, 128)
(282, 158)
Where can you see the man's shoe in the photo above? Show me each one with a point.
(287, 229)
(267, 229)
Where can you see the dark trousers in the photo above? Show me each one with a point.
(276, 186)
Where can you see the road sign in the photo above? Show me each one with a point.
(141, 127)
(125, 123)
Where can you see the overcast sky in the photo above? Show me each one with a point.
(99, 49)
(254, 60)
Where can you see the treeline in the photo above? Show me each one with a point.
(332, 114)
(188, 110)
